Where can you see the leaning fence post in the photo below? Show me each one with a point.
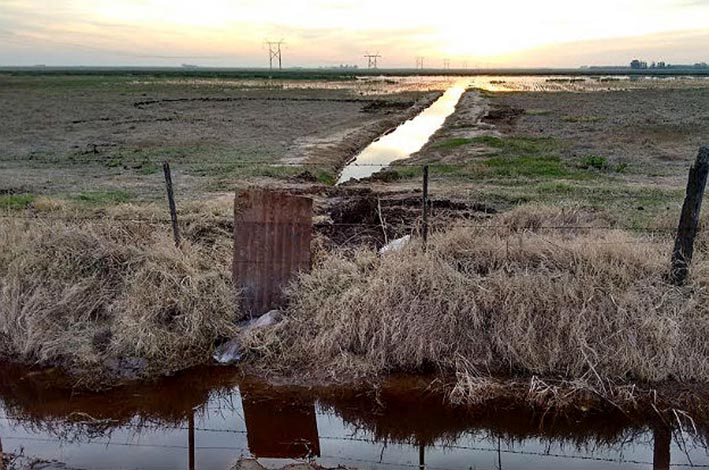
(689, 220)
(171, 202)
(424, 229)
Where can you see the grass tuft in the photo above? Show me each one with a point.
(100, 198)
(452, 143)
(16, 201)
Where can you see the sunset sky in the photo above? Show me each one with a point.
(322, 33)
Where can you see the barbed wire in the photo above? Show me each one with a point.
(453, 223)
(353, 459)
(144, 426)
(118, 161)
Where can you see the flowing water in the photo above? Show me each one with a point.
(210, 418)
(406, 139)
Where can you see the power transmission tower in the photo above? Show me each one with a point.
(446, 64)
(419, 62)
(274, 53)
(372, 60)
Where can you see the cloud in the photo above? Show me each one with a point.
(231, 32)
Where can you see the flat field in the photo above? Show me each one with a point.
(103, 137)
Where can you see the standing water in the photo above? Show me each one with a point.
(406, 139)
(211, 418)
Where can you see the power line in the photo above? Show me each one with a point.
(372, 60)
(275, 53)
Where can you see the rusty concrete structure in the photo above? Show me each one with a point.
(272, 234)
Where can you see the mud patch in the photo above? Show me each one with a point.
(362, 217)
(502, 114)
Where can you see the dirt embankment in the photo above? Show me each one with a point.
(333, 151)
(465, 123)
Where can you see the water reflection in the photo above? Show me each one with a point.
(209, 418)
(406, 139)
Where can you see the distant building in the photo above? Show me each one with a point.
(638, 64)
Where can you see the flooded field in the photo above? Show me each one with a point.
(212, 418)
(383, 85)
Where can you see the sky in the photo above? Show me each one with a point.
(473, 33)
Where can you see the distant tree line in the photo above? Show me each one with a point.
(637, 64)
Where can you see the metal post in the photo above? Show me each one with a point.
(689, 220)
(424, 229)
(171, 202)
(190, 439)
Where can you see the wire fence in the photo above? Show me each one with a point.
(472, 223)
(236, 448)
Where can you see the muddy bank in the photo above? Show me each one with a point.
(465, 123)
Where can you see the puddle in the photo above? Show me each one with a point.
(406, 139)
(210, 418)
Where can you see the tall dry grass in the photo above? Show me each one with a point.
(590, 307)
(109, 300)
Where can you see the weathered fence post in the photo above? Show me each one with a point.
(424, 229)
(662, 443)
(689, 220)
(171, 202)
(272, 234)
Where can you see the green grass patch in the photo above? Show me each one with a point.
(548, 167)
(594, 161)
(16, 201)
(601, 163)
(521, 145)
(326, 177)
(452, 143)
(102, 198)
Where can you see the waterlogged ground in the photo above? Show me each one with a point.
(213, 418)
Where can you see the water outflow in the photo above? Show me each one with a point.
(406, 139)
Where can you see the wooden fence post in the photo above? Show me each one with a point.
(689, 220)
(171, 202)
(424, 229)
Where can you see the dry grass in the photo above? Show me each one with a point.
(90, 297)
(590, 308)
